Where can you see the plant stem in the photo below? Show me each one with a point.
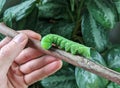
(70, 14)
(75, 60)
(78, 18)
(72, 4)
(79, 10)
(75, 31)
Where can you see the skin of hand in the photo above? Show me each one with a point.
(20, 66)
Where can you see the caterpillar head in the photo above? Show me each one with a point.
(46, 43)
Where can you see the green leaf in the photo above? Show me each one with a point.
(43, 27)
(102, 13)
(87, 79)
(96, 57)
(113, 58)
(9, 3)
(113, 85)
(63, 28)
(2, 2)
(27, 23)
(1, 37)
(54, 9)
(59, 81)
(18, 12)
(117, 4)
(63, 79)
(36, 85)
(94, 34)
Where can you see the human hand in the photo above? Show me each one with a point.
(21, 67)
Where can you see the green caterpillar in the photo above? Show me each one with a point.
(69, 46)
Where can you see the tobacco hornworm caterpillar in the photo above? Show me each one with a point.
(67, 45)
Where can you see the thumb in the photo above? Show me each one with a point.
(11, 50)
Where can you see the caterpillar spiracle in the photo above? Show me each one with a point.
(68, 45)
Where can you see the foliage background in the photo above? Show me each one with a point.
(94, 23)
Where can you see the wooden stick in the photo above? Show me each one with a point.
(72, 59)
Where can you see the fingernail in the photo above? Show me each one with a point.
(19, 38)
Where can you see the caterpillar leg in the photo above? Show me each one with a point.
(62, 44)
(67, 46)
(74, 49)
(85, 51)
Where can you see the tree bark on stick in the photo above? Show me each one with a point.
(75, 60)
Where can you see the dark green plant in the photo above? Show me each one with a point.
(88, 22)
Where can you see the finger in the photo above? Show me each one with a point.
(10, 51)
(27, 55)
(4, 41)
(31, 34)
(43, 72)
(16, 69)
(15, 79)
(36, 64)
